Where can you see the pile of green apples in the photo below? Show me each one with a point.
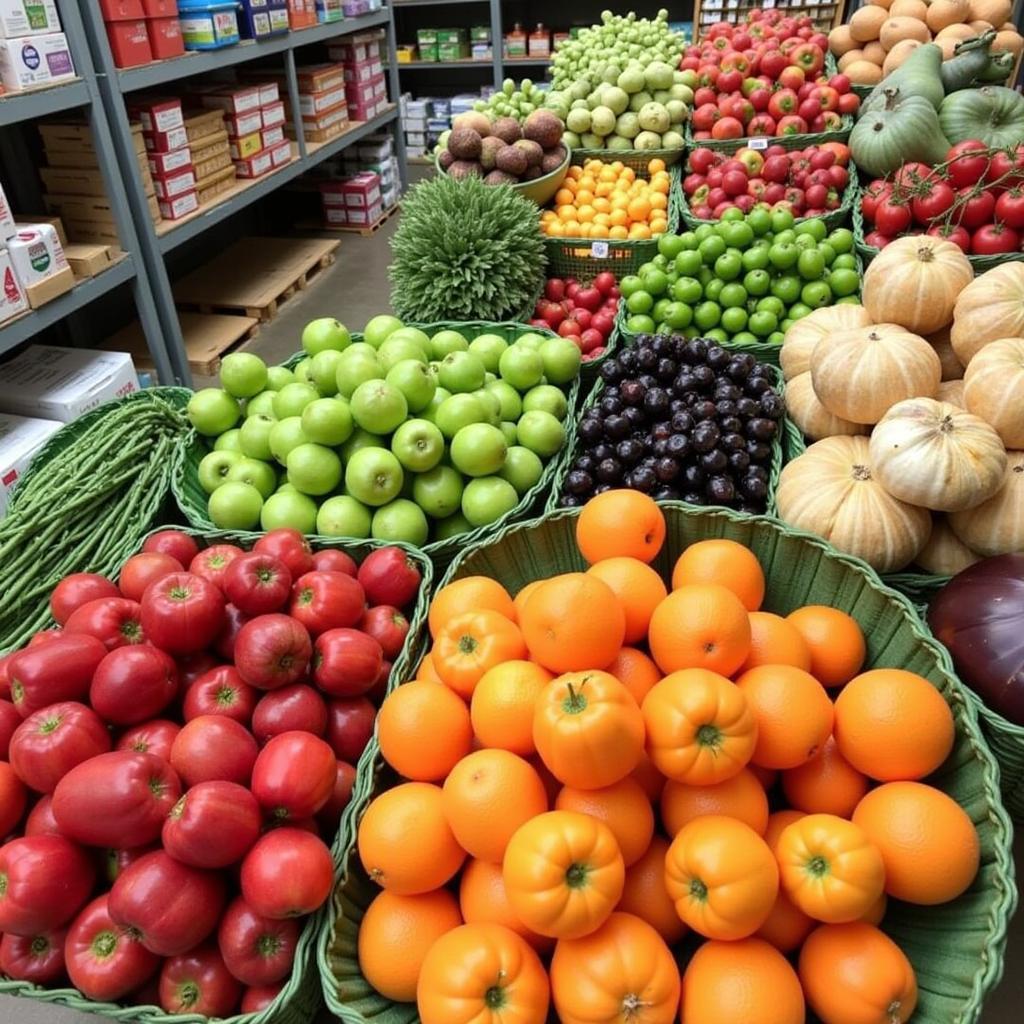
(402, 436)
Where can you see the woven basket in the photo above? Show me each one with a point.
(956, 949)
(730, 146)
(638, 159)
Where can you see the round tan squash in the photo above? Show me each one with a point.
(997, 526)
(895, 30)
(807, 412)
(866, 23)
(874, 52)
(942, 13)
(979, 26)
(885, 4)
(948, 47)
(956, 32)
(898, 54)
(863, 72)
(908, 9)
(830, 490)
(800, 339)
(952, 368)
(915, 281)
(840, 41)
(1008, 42)
(848, 58)
(995, 12)
(945, 554)
(935, 455)
(861, 373)
(989, 308)
(952, 392)
(994, 388)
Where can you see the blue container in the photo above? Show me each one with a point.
(208, 24)
(262, 19)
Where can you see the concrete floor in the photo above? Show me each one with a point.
(353, 290)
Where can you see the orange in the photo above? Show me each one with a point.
(893, 725)
(827, 784)
(563, 196)
(740, 797)
(655, 165)
(929, 845)
(639, 209)
(645, 895)
(395, 934)
(404, 840)
(471, 594)
(748, 981)
(523, 596)
(470, 644)
(637, 586)
(483, 900)
(777, 824)
(423, 730)
(652, 782)
(573, 622)
(426, 672)
(487, 796)
(774, 641)
(620, 523)
(701, 625)
(793, 712)
(725, 562)
(623, 807)
(502, 705)
(635, 671)
(835, 641)
(787, 925)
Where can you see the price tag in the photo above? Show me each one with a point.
(757, 143)
(768, 4)
(599, 250)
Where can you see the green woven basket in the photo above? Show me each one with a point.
(956, 949)
(638, 159)
(730, 146)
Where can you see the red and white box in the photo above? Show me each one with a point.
(364, 216)
(318, 77)
(364, 46)
(158, 114)
(380, 87)
(179, 206)
(359, 93)
(164, 142)
(255, 166)
(271, 137)
(270, 93)
(281, 154)
(234, 101)
(176, 184)
(363, 71)
(313, 103)
(365, 110)
(165, 38)
(335, 215)
(160, 8)
(122, 10)
(163, 164)
(273, 114)
(129, 43)
(327, 120)
(361, 190)
(239, 125)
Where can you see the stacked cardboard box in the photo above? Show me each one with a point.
(12, 295)
(365, 86)
(140, 31)
(322, 102)
(261, 19)
(352, 201)
(375, 153)
(20, 438)
(41, 59)
(211, 154)
(254, 117)
(168, 155)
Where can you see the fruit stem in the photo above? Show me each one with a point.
(817, 866)
(575, 703)
(576, 875)
(698, 890)
(467, 644)
(709, 735)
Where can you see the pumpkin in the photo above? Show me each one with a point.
(957, 32)
(858, 374)
(942, 13)
(1008, 41)
(980, 26)
(800, 339)
(995, 12)
(840, 41)
(830, 490)
(952, 368)
(814, 420)
(898, 54)
(622, 972)
(948, 47)
(992, 114)
(937, 456)
(897, 30)
(917, 75)
(915, 281)
(945, 554)
(885, 4)
(996, 527)
(897, 130)
(908, 9)
(874, 52)
(994, 388)
(952, 391)
(848, 58)
(863, 72)
(866, 23)
(989, 308)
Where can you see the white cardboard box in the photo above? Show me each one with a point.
(7, 226)
(35, 60)
(12, 296)
(62, 383)
(36, 253)
(28, 18)
(20, 438)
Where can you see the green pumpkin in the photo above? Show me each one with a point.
(992, 115)
(902, 129)
(918, 75)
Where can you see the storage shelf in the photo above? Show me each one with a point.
(526, 60)
(36, 103)
(440, 65)
(432, 3)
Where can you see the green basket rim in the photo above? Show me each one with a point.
(730, 146)
(670, 156)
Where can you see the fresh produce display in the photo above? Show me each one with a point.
(512, 101)
(403, 436)
(808, 182)
(583, 312)
(538, 742)
(601, 199)
(679, 419)
(184, 743)
(744, 279)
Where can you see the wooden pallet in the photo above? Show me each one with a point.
(369, 230)
(255, 275)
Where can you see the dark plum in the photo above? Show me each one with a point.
(678, 446)
(696, 351)
(682, 422)
(616, 427)
(714, 461)
(666, 470)
(704, 376)
(609, 471)
(603, 451)
(590, 430)
(634, 416)
(705, 436)
(772, 405)
(579, 482)
(731, 425)
(758, 450)
(721, 490)
(642, 478)
(632, 392)
(703, 410)
(757, 386)
(646, 359)
(693, 476)
(739, 461)
(754, 488)
(747, 407)
(762, 429)
(666, 369)
(629, 451)
(732, 442)
(656, 402)
(610, 405)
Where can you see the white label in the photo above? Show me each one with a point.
(599, 250)
(757, 143)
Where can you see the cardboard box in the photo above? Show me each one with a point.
(87, 260)
(366, 111)
(363, 71)
(80, 208)
(330, 118)
(73, 182)
(213, 164)
(301, 13)
(50, 288)
(335, 216)
(129, 43)
(37, 60)
(176, 184)
(271, 137)
(20, 438)
(160, 8)
(361, 190)
(164, 142)
(28, 18)
(24, 220)
(270, 92)
(273, 114)
(281, 154)
(245, 147)
(7, 227)
(318, 77)
(254, 166)
(235, 101)
(215, 184)
(62, 383)
(122, 10)
(163, 164)
(165, 38)
(180, 206)
(364, 46)
(239, 125)
(202, 125)
(313, 103)
(359, 93)
(12, 295)
(364, 216)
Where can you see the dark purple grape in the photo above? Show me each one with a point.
(730, 425)
(611, 371)
(616, 427)
(754, 488)
(662, 345)
(642, 478)
(660, 447)
(570, 501)
(634, 416)
(747, 407)
(678, 446)
(579, 482)
(694, 498)
(666, 494)
(677, 405)
(761, 370)
(726, 389)
(732, 442)
(585, 463)
(682, 422)
(603, 451)
(720, 490)
(705, 377)
(646, 359)
(758, 473)
(627, 361)
(661, 431)
(714, 461)
(684, 384)
(629, 451)
(762, 429)
(739, 368)
(693, 475)
(758, 450)
(648, 380)
(609, 471)
(656, 402)
(757, 386)
(717, 358)
(725, 407)
(772, 405)
(632, 392)
(704, 437)
(666, 369)
(666, 470)
(703, 410)
(590, 430)
(739, 461)
(696, 351)
(610, 405)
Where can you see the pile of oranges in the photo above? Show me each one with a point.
(589, 769)
(608, 200)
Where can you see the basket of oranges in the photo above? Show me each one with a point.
(773, 784)
(608, 216)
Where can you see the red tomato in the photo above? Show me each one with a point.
(975, 209)
(192, 666)
(257, 583)
(349, 726)
(155, 737)
(56, 671)
(5, 679)
(40, 820)
(994, 238)
(294, 775)
(969, 161)
(213, 825)
(182, 613)
(44, 636)
(175, 543)
(133, 684)
(114, 620)
(221, 691)
(330, 814)
(877, 192)
(326, 600)
(38, 959)
(290, 546)
(46, 881)
(1007, 168)
(911, 175)
(116, 862)
(272, 651)
(892, 217)
(77, 589)
(379, 690)
(933, 200)
(388, 626)
(333, 560)
(234, 620)
(289, 707)
(288, 873)
(199, 982)
(53, 740)
(104, 961)
(346, 662)
(604, 282)
(212, 563)
(14, 797)
(1010, 208)
(213, 747)
(952, 233)
(145, 568)
(257, 950)
(259, 997)
(389, 576)
(171, 905)
(9, 721)
(118, 799)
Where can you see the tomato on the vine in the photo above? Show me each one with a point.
(975, 207)
(993, 239)
(877, 240)
(932, 200)
(892, 217)
(952, 233)
(1007, 168)
(968, 162)
(912, 175)
(1010, 208)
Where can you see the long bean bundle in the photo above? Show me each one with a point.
(87, 502)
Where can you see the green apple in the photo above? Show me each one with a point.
(452, 526)
(289, 509)
(478, 450)
(412, 339)
(358, 364)
(461, 372)
(400, 520)
(327, 421)
(418, 445)
(447, 341)
(254, 436)
(243, 374)
(441, 395)
(377, 331)
(522, 469)
(287, 488)
(261, 405)
(214, 468)
(361, 439)
(286, 435)
(438, 492)
(414, 380)
(230, 441)
(293, 398)
(547, 398)
(487, 498)
(491, 403)
(325, 334)
(540, 432)
(488, 349)
(561, 360)
(235, 506)
(314, 468)
(374, 476)
(278, 376)
(378, 406)
(489, 378)
(213, 411)
(252, 471)
(302, 370)
(508, 428)
(532, 340)
(324, 371)
(509, 400)
(459, 411)
(396, 350)
(521, 366)
(343, 516)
